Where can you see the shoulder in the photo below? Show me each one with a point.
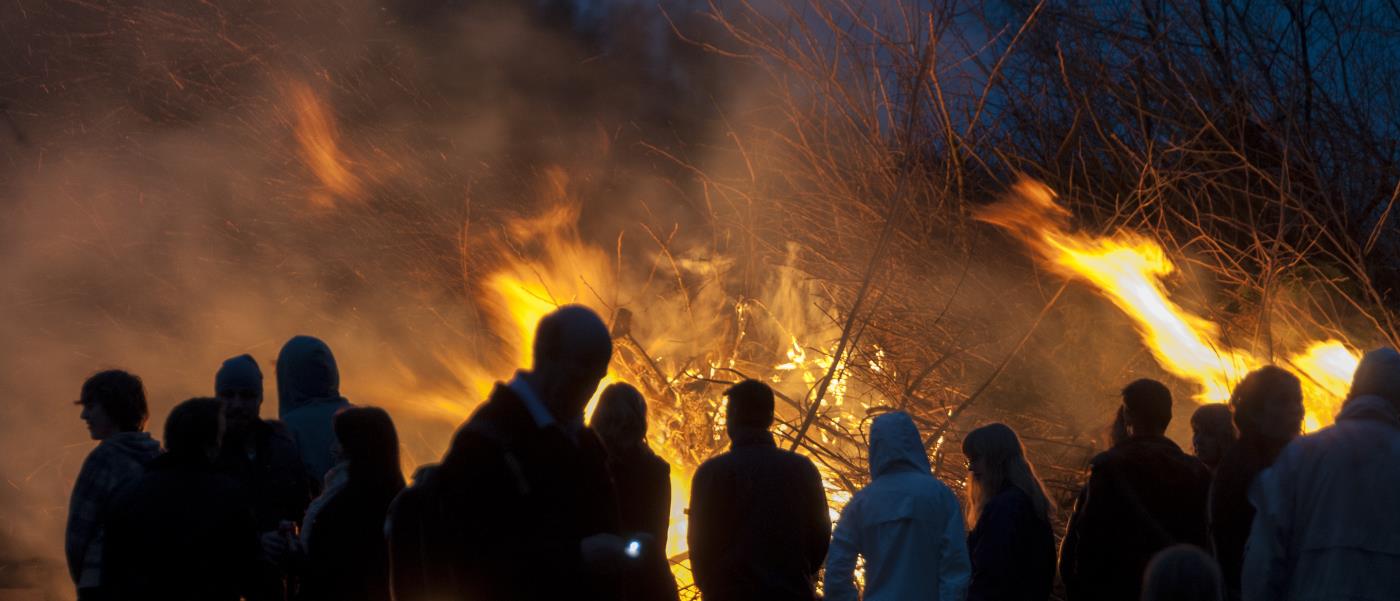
(719, 464)
(797, 460)
(1103, 459)
(656, 466)
(1011, 501)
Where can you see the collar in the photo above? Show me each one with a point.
(751, 437)
(533, 404)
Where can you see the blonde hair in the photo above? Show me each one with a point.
(1003, 464)
(620, 419)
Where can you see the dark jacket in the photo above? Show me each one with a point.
(183, 531)
(1230, 512)
(347, 556)
(271, 475)
(275, 485)
(759, 526)
(1143, 495)
(643, 484)
(504, 514)
(1012, 550)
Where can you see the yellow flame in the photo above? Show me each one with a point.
(1128, 269)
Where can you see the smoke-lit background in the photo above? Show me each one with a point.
(181, 182)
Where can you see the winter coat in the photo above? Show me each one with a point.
(1143, 496)
(759, 525)
(183, 531)
(1230, 512)
(906, 523)
(347, 556)
(274, 481)
(117, 461)
(1012, 549)
(508, 507)
(308, 397)
(271, 475)
(643, 484)
(1328, 519)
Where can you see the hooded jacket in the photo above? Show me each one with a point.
(1327, 521)
(117, 462)
(308, 397)
(906, 523)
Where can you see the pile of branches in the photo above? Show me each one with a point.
(1259, 147)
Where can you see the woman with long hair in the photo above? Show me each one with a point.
(1011, 542)
(344, 553)
(643, 484)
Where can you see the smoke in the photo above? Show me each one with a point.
(183, 182)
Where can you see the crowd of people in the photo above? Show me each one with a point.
(529, 502)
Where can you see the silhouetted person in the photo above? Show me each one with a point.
(262, 456)
(759, 526)
(342, 554)
(114, 407)
(1268, 407)
(1116, 433)
(1011, 544)
(308, 397)
(522, 506)
(183, 531)
(1182, 573)
(1143, 496)
(906, 524)
(1328, 511)
(643, 484)
(1212, 433)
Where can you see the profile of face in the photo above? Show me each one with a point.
(241, 407)
(977, 469)
(99, 424)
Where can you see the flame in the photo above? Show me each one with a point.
(1128, 269)
(317, 138)
(540, 261)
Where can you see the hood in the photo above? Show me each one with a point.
(139, 446)
(1370, 407)
(1378, 375)
(895, 443)
(306, 374)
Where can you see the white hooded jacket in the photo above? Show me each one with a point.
(1328, 511)
(906, 523)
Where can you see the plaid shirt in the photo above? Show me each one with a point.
(117, 462)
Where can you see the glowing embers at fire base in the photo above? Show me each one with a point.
(1128, 269)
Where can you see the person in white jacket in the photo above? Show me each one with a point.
(906, 524)
(1327, 521)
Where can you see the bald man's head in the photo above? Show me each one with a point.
(571, 355)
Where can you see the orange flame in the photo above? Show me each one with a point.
(318, 141)
(1128, 269)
